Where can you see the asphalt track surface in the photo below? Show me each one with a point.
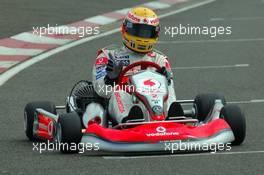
(53, 78)
(22, 15)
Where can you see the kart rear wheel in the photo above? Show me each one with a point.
(69, 132)
(29, 113)
(204, 104)
(236, 120)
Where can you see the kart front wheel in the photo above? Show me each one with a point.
(69, 132)
(236, 120)
(204, 103)
(29, 113)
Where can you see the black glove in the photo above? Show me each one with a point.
(113, 70)
(166, 73)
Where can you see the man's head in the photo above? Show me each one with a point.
(140, 29)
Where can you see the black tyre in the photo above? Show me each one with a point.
(29, 113)
(236, 120)
(204, 104)
(69, 132)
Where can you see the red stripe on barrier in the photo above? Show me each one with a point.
(83, 24)
(2, 69)
(114, 15)
(58, 36)
(13, 43)
(13, 57)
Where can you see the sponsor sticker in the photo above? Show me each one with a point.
(125, 62)
(138, 19)
(124, 58)
(101, 61)
(99, 69)
(119, 102)
(100, 74)
(161, 131)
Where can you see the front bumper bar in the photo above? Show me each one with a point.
(225, 136)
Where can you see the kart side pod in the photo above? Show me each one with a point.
(44, 126)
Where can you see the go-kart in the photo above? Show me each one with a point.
(208, 120)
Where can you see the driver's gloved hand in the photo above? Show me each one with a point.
(166, 73)
(113, 70)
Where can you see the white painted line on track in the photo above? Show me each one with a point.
(237, 102)
(66, 30)
(184, 155)
(7, 64)
(247, 101)
(123, 11)
(212, 41)
(19, 51)
(257, 101)
(186, 8)
(238, 18)
(101, 20)
(156, 5)
(211, 67)
(12, 72)
(30, 37)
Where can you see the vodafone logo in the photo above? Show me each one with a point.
(101, 61)
(161, 129)
(161, 132)
(151, 84)
(50, 128)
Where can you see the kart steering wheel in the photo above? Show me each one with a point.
(143, 64)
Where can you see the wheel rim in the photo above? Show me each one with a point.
(58, 133)
(25, 121)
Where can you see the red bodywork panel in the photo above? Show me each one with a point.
(45, 127)
(155, 132)
(151, 132)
